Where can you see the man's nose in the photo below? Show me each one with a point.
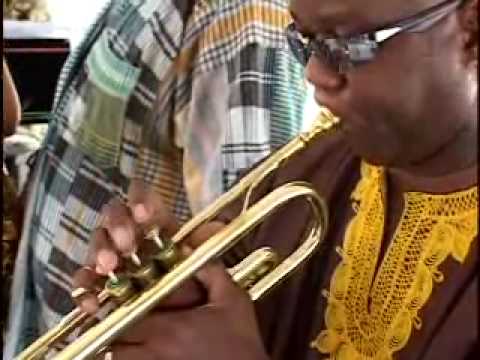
(323, 77)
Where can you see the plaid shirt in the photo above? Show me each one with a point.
(184, 95)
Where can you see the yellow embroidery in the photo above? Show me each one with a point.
(372, 318)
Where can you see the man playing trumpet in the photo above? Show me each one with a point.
(396, 276)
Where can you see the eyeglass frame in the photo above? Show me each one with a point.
(344, 53)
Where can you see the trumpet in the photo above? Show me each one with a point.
(137, 293)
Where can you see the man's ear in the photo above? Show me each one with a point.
(468, 20)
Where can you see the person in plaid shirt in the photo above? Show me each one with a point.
(180, 95)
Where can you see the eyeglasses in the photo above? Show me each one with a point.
(343, 53)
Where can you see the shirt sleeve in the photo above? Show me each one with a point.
(155, 159)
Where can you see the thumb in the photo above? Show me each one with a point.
(219, 285)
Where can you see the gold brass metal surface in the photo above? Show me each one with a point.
(257, 273)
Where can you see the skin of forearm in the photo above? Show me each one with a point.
(11, 103)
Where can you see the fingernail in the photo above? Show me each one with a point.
(141, 213)
(123, 238)
(106, 262)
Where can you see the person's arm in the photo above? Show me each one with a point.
(12, 111)
(247, 96)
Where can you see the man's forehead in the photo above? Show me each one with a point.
(317, 16)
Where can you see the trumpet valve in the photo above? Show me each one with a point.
(154, 235)
(120, 288)
(146, 275)
(167, 257)
(135, 259)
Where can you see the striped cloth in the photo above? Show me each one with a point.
(183, 95)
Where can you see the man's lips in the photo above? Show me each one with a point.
(339, 108)
(333, 105)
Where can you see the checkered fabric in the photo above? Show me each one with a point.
(184, 95)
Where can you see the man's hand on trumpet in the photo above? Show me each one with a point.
(210, 317)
